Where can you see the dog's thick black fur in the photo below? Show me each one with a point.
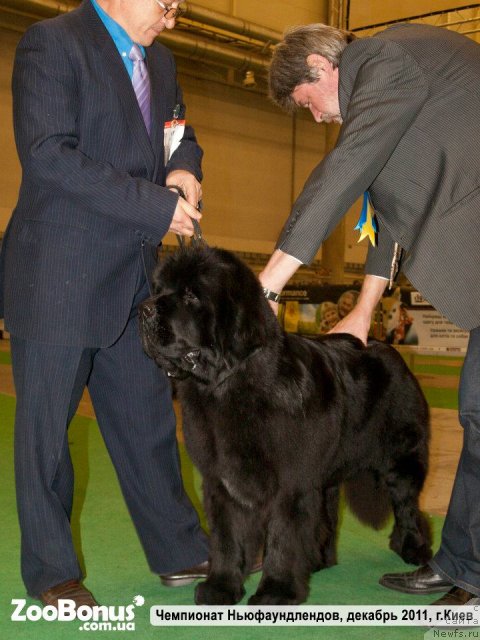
(275, 422)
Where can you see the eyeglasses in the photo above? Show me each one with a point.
(171, 12)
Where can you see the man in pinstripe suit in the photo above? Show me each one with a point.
(409, 103)
(94, 205)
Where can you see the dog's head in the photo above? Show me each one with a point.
(207, 313)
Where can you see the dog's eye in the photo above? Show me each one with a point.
(189, 297)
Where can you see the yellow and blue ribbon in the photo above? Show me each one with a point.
(367, 224)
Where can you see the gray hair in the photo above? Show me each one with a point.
(289, 67)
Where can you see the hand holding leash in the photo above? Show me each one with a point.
(184, 216)
(187, 183)
(196, 234)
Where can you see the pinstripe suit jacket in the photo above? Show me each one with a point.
(91, 201)
(410, 102)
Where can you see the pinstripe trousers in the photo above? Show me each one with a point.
(132, 402)
(458, 558)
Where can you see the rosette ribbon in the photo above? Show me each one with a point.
(367, 224)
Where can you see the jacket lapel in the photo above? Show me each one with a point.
(159, 115)
(120, 80)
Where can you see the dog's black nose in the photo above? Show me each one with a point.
(147, 309)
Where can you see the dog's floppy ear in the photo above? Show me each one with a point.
(245, 321)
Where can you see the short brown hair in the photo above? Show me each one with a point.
(289, 67)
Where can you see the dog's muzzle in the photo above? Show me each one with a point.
(149, 325)
(175, 365)
(149, 329)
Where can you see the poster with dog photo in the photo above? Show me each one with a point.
(315, 309)
(402, 317)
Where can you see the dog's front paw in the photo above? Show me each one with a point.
(269, 599)
(276, 592)
(211, 593)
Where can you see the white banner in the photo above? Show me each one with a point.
(317, 616)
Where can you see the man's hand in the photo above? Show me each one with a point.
(190, 186)
(182, 218)
(357, 322)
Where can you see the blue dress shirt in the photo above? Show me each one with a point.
(120, 37)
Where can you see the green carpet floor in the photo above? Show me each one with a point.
(117, 570)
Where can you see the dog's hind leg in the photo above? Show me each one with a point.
(411, 536)
(326, 528)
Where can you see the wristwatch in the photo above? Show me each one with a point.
(271, 295)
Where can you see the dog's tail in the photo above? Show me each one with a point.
(368, 498)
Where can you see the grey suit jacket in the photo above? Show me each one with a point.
(410, 102)
(92, 206)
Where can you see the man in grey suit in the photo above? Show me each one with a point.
(92, 93)
(409, 103)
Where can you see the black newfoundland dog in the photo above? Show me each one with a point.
(276, 422)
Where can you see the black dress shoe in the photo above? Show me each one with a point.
(457, 597)
(186, 576)
(422, 580)
(199, 572)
